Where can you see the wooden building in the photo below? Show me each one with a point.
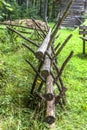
(76, 13)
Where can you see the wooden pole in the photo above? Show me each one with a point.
(42, 49)
(50, 112)
(29, 40)
(45, 70)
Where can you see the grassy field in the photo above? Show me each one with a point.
(16, 78)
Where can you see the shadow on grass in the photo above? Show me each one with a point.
(81, 56)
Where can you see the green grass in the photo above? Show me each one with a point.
(16, 78)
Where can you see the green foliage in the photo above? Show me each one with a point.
(5, 9)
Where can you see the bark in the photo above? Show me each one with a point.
(50, 112)
(41, 51)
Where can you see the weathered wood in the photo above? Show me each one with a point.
(61, 96)
(27, 46)
(42, 49)
(50, 112)
(57, 83)
(35, 69)
(38, 26)
(38, 31)
(29, 40)
(35, 79)
(57, 46)
(49, 96)
(45, 70)
(66, 61)
(40, 86)
(63, 45)
(61, 19)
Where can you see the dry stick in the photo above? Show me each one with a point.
(29, 40)
(38, 31)
(35, 79)
(58, 24)
(35, 70)
(61, 89)
(47, 97)
(38, 27)
(39, 34)
(65, 62)
(58, 85)
(40, 86)
(61, 19)
(63, 66)
(61, 82)
(57, 36)
(63, 45)
(54, 54)
(27, 46)
(24, 32)
(41, 96)
(15, 25)
(57, 46)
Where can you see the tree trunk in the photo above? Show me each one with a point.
(27, 3)
(46, 10)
